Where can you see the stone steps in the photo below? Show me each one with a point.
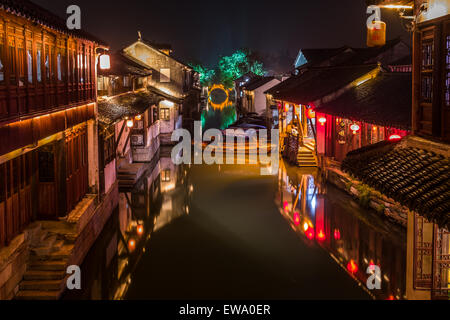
(43, 275)
(55, 265)
(38, 295)
(306, 156)
(37, 285)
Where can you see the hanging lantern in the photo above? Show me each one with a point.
(395, 137)
(337, 234)
(352, 267)
(138, 118)
(130, 123)
(311, 113)
(140, 230)
(376, 34)
(296, 218)
(321, 235)
(132, 245)
(322, 120)
(355, 128)
(105, 62)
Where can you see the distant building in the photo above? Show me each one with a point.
(253, 98)
(172, 80)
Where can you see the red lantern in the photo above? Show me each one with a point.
(322, 120)
(297, 218)
(337, 234)
(321, 235)
(286, 107)
(355, 128)
(352, 267)
(311, 113)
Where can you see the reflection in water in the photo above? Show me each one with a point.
(354, 238)
(155, 202)
(323, 217)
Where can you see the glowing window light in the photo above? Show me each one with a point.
(355, 128)
(322, 120)
(352, 267)
(395, 137)
(105, 62)
(396, 6)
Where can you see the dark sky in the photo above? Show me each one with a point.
(203, 30)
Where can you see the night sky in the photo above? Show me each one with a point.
(202, 30)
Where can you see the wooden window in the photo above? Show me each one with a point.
(46, 167)
(165, 114)
(165, 176)
(22, 64)
(108, 147)
(447, 72)
(423, 253)
(126, 81)
(47, 63)
(39, 63)
(2, 184)
(12, 61)
(59, 67)
(2, 70)
(30, 65)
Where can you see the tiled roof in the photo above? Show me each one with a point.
(416, 178)
(315, 83)
(385, 100)
(129, 104)
(160, 47)
(37, 14)
(122, 65)
(257, 82)
(318, 55)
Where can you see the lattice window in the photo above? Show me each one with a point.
(423, 253)
(441, 279)
(447, 73)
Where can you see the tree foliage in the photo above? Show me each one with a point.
(230, 68)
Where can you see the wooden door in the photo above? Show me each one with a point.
(76, 167)
(15, 197)
(47, 183)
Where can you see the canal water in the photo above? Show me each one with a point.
(226, 232)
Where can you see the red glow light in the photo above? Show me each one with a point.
(321, 235)
(285, 205)
(352, 267)
(310, 233)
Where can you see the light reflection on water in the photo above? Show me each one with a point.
(354, 238)
(321, 216)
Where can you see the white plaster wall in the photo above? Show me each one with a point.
(260, 97)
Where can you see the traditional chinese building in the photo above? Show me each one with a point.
(48, 149)
(173, 80)
(414, 173)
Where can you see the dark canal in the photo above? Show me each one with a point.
(226, 232)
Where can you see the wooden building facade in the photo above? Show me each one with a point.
(47, 116)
